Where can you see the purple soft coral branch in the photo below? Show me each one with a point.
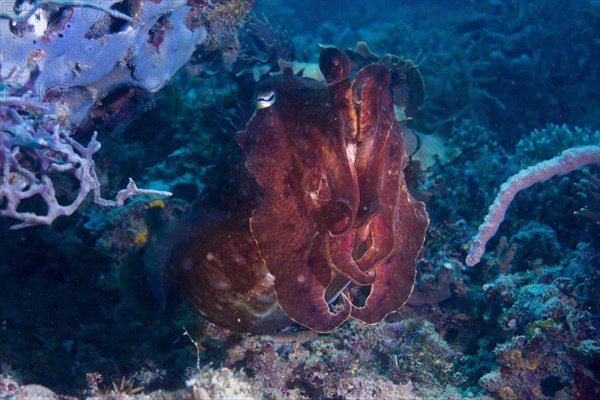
(49, 145)
(566, 162)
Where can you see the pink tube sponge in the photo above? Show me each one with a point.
(566, 162)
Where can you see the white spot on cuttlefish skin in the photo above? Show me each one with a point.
(301, 278)
(222, 285)
(238, 259)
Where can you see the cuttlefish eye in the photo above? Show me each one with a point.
(265, 99)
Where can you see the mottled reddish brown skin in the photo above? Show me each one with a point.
(325, 204)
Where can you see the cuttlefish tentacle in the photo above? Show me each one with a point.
(373, 81)
(301, 296)
(335, 66)
(336, 216)
(396, 274)
(392, 288)
(338, 251)
(381, 226)
(372, 139)
(395, 277)
(339, 213)
(340, 218)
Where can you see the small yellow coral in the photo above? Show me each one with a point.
(353, 369)
(158, 203)
(141, 237)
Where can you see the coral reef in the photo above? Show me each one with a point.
(78, 318)
(75, 53)
(543, 144)
(566, 162)
(219, 384)
(61, 59)
(556, 346)
(37, 154)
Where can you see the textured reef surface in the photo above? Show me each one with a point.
(289, 185)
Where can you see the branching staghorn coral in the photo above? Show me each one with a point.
(566, 162)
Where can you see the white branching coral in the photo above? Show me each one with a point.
(36, 150)
(60, 58)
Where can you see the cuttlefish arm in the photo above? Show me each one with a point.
(395, 275)
(335, 66)
(389, 162)
(339, 244)
(342, 127)
(372, 139)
